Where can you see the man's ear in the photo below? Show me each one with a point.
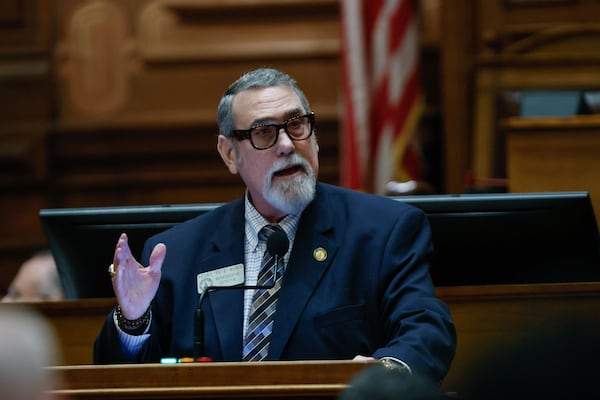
(228, 153)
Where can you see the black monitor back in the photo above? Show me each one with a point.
(83, 240)
(512, 238)
(478, 238)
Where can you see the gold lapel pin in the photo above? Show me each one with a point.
(111, 271)
(320, 254)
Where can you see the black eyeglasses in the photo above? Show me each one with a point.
(262, 137)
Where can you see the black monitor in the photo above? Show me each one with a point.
(512, 238)
(83, 240)
(479, 239)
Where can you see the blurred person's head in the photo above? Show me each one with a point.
(380, 383)
(36, 280)
(27, 346)
(556, 359)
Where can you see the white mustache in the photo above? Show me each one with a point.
(289, 162)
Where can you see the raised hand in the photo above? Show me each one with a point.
(134, 284)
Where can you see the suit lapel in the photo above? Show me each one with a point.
(227, 305)
(228, 312)
(304, 271)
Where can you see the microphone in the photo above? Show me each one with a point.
(277, 246)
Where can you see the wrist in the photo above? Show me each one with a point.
(395, 364)
(133, 326)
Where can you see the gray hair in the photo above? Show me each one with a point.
(258, 78)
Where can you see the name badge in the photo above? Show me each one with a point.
(222, 277)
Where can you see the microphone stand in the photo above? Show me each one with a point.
(277, 246)
(199, 313)
(199, 326)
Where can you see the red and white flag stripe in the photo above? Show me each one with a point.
(382, 97)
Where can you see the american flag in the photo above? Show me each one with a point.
(382, 94)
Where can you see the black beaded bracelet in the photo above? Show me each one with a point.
(133, 326)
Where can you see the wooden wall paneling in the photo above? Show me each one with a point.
(156, 166)
(554, 154)
(142, 166)
(23, 156)
(26, 94)
(483, 42)
(456, 68)
(483, 153)
(23, 191)
(21, 233)
(184, 65)
(25, 25)
(519, 73)
(210, 30)
(157, 140)
(25, 110)
(92, 59)
(524, 45)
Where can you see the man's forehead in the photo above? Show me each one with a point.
(268, 103)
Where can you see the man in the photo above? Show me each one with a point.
(36, 280)
(356, 283)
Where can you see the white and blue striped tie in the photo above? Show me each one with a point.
(260, 325)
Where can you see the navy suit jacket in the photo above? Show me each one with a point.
(372, 295)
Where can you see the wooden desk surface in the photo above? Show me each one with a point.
(232, 380)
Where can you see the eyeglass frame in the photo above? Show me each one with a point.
(243, 134)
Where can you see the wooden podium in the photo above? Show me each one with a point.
(232, 380)
(485, 316)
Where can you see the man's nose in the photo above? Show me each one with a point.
(284, 141)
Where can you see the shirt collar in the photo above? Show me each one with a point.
(255, 222)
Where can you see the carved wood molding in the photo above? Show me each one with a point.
(180, 30)
(94, 58)
(566, 43)
(559, 39)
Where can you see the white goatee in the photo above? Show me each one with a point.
(292, 195)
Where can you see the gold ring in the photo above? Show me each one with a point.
(111, 270)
